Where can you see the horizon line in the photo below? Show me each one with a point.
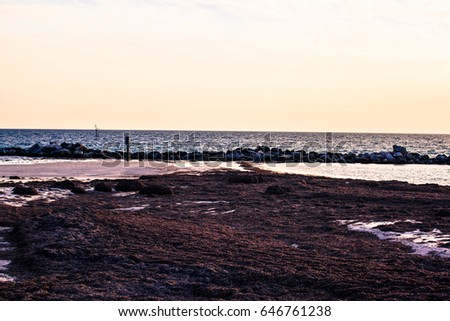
(231, 130)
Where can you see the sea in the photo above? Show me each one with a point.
(147, 140)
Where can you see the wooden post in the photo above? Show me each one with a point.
(126, 138)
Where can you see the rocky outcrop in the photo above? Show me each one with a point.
(25, 190)
(102, 187)
(398, 155)
(66, 184)
(78, 190)
(129, 186)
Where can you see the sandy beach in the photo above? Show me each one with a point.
(223, 234)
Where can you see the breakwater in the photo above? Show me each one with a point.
(398, 155)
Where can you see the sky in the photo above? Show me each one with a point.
(257, 65)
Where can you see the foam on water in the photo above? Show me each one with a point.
(421, 242)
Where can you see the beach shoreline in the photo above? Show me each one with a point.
(276, 237)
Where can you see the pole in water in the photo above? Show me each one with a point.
(96, 131)
(126, 138)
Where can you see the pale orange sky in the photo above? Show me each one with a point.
(285, 65)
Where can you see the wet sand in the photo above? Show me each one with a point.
(215, 240)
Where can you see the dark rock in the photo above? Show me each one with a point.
(129, 186)
(68, 146)
(278, 190)
(14, 177)
(35, 150)
(399, 149)
(66, 184)
(78, 153)
(79, 147)
(50, 148)
(25, 190)
(102, 187)
(78, 190)
(61, 153)
(245, 179)
(156, 190)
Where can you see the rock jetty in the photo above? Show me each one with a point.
(260, 154)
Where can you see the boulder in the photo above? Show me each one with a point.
(102, 187)
(35, 150)
(399, 149)
(79, 147)
(50, 148)
(14, 177)
(78, 153)
(66, 184)
(245, 179)
(25, 190)
(156, 190)
(78, 190)
(129, 186)
(278, 190)
(67, 145)
(61, 153)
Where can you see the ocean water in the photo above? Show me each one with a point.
(413, 173)
(223, 140)
(112, 140)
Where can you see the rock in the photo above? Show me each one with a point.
(440, 159)
(61, 153)
(399, 149)
(156, 190)
(35, 150)
(129, 186)
(66, 184)
(14, 177)
(78, 190)
(79, 147)
(25, 190)
(68, 146)
(278, 190)
(245, 179)
(78, 153)
(50, 148)
(102, 187)
(389, 157)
